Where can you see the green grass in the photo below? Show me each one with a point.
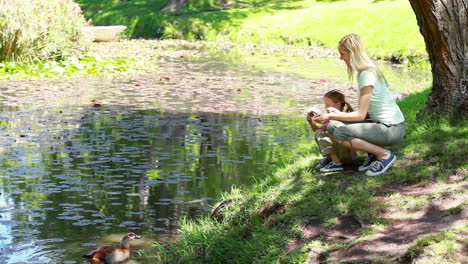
(444, 247)
(389, 28)
(251, 231)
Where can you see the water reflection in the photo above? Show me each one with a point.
(157, 147)
(121, 170)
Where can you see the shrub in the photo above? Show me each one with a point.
(32, 30)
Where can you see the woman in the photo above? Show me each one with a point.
(386, 126)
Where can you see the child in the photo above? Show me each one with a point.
(334, 154)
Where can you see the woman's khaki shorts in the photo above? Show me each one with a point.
(370, 131)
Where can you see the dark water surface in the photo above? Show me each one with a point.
(150, 149)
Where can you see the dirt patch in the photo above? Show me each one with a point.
(393, 242)
(346, 230)
(424, 189)
(271, 208)
(410, 160)
(414, 189)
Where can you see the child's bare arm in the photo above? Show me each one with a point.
(311, 112)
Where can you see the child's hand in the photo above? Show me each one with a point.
(313, 110)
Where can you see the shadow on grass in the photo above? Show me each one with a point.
(434, 146)
(144, 18)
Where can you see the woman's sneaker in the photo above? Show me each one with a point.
(323, 163)
(378, 167)
(332, 167)
(367, 162)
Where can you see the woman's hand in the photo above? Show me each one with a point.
(321, 118)
(325, 117)
(311, 118)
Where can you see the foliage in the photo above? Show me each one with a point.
(32, 30)
(69, 67)
(297, 22)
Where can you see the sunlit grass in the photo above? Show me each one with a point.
(324, 23)
(305, 22)
(444, 247)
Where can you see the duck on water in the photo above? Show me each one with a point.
(113, 254)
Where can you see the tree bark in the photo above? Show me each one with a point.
(444, 24)
(174, 5)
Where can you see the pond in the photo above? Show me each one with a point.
(84, 161)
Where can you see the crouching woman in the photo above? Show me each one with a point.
(386, 123)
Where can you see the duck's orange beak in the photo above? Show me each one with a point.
(138, 237)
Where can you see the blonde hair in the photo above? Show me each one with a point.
(359, 60)
(337, 96)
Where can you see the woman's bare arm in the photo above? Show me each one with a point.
(358, 115)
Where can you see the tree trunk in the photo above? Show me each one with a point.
(174, 5)
(443, 24)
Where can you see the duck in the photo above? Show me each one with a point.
(95, 104)
(113, 254)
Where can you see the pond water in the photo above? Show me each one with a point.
(84, 161)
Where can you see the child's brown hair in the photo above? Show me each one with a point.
(337, 96)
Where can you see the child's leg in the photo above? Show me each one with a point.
(335, 158)
(324, 143)
(328, 149)
(359, 144)
(345, 154)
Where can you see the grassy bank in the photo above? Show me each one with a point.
(388, 27)
(268, 222)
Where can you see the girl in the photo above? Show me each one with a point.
(386, 126)
(334, 154)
